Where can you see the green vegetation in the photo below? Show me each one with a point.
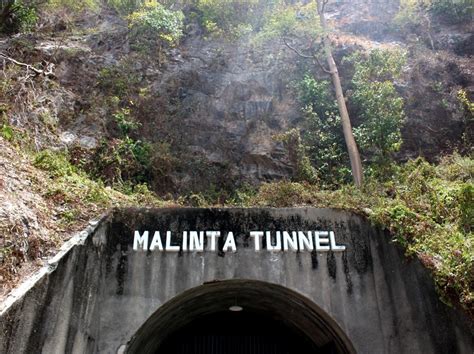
(427, 208)
(304, 171)
(153, 20)
(295, 20)
(379, 109)
(453, 10)
(122, 160)
(379, 105)
(230, 18)
(322, 133)
(78, 192)
(17, 16)
(73, 5)
(119, 80)
(415, 12)
(125, 7)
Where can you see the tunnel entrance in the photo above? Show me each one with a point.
(270, 319)
(240, 333)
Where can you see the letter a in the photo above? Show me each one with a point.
(230, 243)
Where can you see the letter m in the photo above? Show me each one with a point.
(140, 241)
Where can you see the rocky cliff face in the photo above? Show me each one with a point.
(222, 103)
(216, 104)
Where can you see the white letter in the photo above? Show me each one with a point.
(168, 243)
(277, 246)
(185, 241)
(195, 243)
(140, 240)
(321, 240)
(256, 235)
(230, 242)
(335, 247)
(290, 241)
(213, 235)
(156, 242)
(305, 241)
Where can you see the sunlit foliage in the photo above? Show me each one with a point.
(154, 19)
(379, 105)
(297, 19)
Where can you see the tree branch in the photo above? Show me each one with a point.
(306, 56)
(321, 65)
(28, 67)
(296, 50)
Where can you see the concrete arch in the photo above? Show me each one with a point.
(282, 303)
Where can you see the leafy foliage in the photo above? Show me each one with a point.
(124, 122)
(153, 19)
(378, 104)
(451, 11)
(73, 5)
(232, 18)
(125, 7)
(17, 16)
(467, 111)
(322, 133)
(119, 80)
(298, 19)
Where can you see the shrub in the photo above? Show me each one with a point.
(304, 171)
(378, 104)
(125, 7)
(74, 5)
(296, 20)
(119, 80)
(283, 194)
(122, 160)
(454, 11)
(125, 123)
(415, 12)
(56, 163)
(153, 19)
(322, 133)
(221, 17)
(17, 16)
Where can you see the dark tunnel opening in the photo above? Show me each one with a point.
(272, 320)
(240, 333)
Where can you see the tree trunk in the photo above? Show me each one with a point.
(354, 156)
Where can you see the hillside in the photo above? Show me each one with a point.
(199, 105)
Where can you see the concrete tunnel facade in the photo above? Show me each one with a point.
(106, 292)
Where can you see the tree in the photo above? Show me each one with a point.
(354, 156)
(285, 24)
(16, 15)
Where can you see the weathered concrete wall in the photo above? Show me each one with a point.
(102, 291)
